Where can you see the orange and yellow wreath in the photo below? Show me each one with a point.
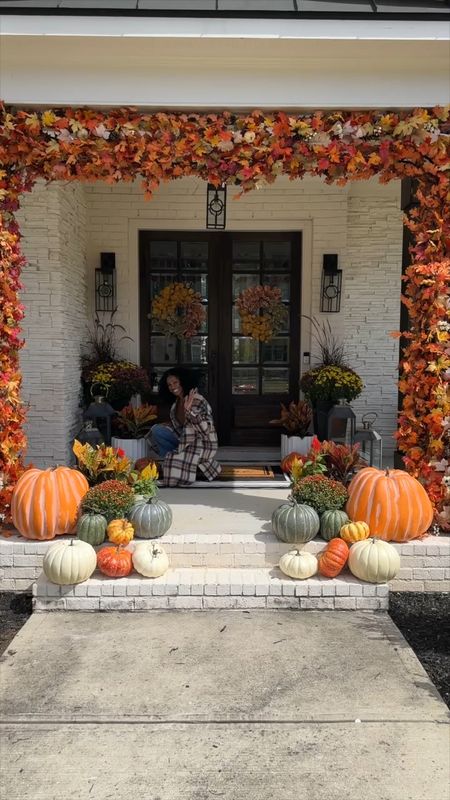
(178, 311)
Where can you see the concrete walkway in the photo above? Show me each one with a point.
(227, 704)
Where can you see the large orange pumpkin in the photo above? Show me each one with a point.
(334, 558)
(395, 505)
(45, 502)
(114, 562)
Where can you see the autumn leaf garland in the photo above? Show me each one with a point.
(247, 150)
(425, 370)
(12, 413)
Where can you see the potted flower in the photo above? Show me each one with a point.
(120, 381)
(101, 463)
(134, 424)
(295, 419)
(325, 386)
(331, 381)
(145, 482)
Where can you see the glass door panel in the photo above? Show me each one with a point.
(277, 256)
(244, 379)
(165, 261)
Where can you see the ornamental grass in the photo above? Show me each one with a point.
(322, 493)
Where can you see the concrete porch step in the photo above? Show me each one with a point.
(205, 588)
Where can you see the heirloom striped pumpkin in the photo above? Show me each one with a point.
(395, 505)
(91, 528)
(354, 532)
(295, 523)
(298, 564)
(45, 502)
(69, 561)
(331, 523)
(150, 519)
(373, 560)
(114, 561)
(120, 531)
(334, 558)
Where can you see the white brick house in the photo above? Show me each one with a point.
(212, 62)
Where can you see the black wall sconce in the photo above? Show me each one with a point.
(216, 206)
(105, 283)
(331, 287)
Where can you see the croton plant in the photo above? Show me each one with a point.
(247, 150)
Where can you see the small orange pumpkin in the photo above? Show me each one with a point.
(354, 532)
(45, 502)
(286, 463)
(114, 562)
(120, 531)
(334, 558)
(395, 505)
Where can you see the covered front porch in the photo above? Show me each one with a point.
(66, 227)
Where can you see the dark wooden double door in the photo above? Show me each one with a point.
(244, 380)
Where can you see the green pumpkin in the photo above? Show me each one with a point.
(331, 523)
(91, 528)
(295, 522)
(150, 519)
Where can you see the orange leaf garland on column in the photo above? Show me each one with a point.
(12, 412)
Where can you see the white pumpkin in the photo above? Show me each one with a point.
(299, 564)
(374, 560)
(150, 559)
(69, 562)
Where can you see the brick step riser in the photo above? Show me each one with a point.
(424, 567)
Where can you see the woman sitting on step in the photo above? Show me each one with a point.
(189, 441)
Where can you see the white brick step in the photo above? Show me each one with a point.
(425, 564)
(203, 588)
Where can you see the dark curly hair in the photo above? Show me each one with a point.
(188, 378)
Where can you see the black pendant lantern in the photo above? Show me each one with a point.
(216, 206)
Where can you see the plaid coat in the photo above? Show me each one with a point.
(197, 446)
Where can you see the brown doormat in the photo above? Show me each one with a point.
(247, 476)
(230, 471)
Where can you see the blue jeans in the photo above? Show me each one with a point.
(164, 438)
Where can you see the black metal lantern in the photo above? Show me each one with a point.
(90, 434)
(341, 423)
(216, 206)
(331, 286)
(100, 413)
(105, 283)
(369, 436)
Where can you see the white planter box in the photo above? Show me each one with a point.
(295, 444)
(133, 448)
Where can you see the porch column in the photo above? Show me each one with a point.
(53, 225)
